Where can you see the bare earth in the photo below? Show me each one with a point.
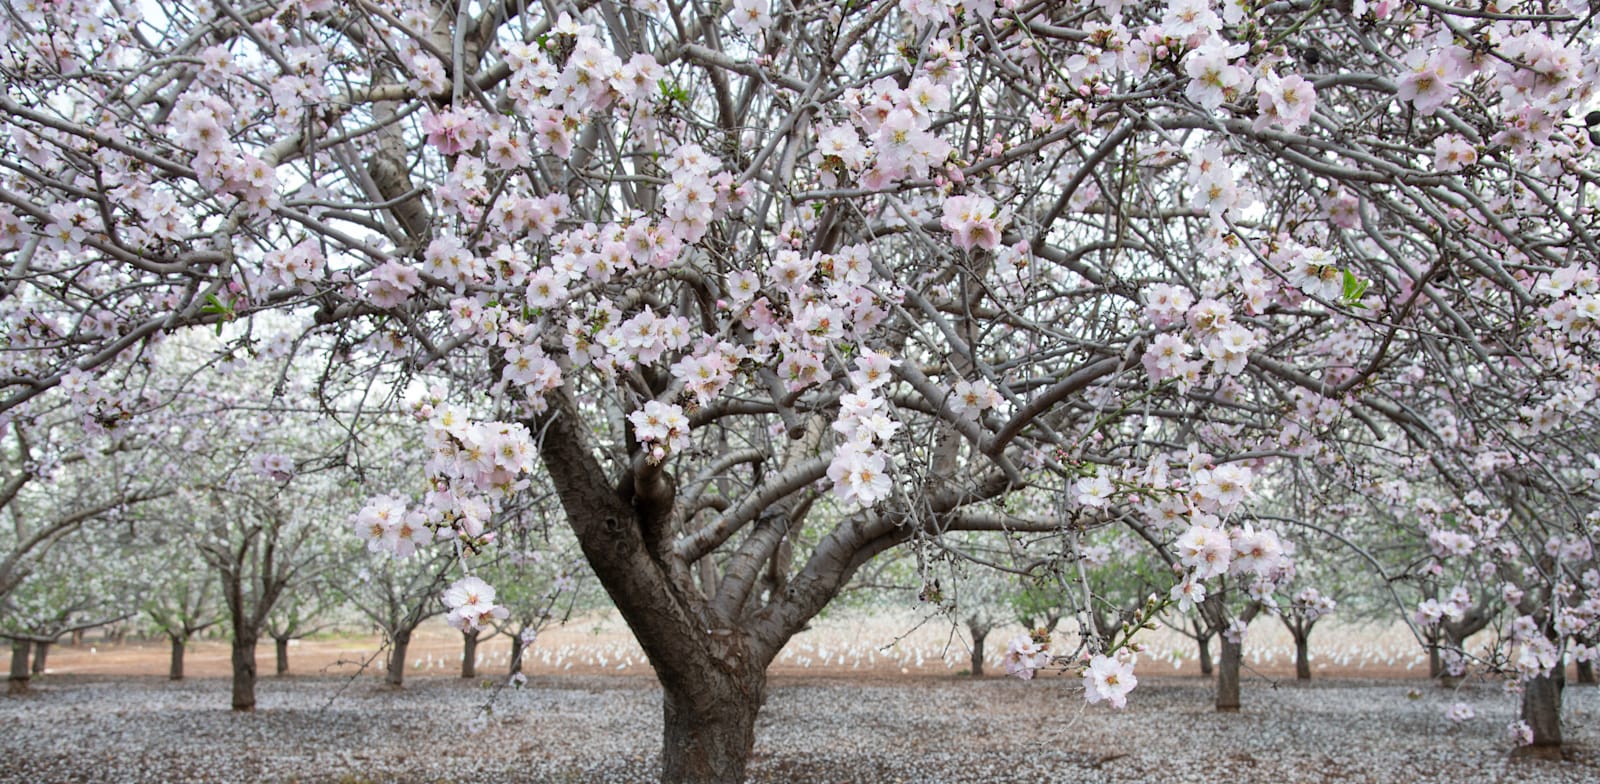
(581, 718)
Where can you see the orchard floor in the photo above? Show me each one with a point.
(842, 728)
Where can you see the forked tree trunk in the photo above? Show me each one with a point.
(1586, 673)
(708, 737)
(978, 636)
(18, 683)
(469, 654)
(1228, 676)
(709, 653)
(397, 658)
(175, 669)
(1541, 709)
(244, 673)
(41, 649)
(1204, 641)
(281, 644)
(1302, 656)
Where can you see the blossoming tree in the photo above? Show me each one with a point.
(766, 289)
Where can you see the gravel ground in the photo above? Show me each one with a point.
(814, 729)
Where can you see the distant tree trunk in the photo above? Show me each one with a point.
(397, 657)
(1586, 673)
(18, 683)
(77, 637)
(469, 653)
(1204, 641)
(1541, 709)
(1228, 676)
(1302, 656)
(244, 672)
(41, 649)
(1232, 658)
(517, 649)
(175, 670)
(979, 634)
(282, 646)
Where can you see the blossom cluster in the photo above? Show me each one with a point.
(859, 469)
(472, 466)
(661, 427)
(1223, 342)
(471, 604)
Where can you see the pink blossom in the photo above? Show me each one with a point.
(858, 473)
(972, 221)
(1451, 152)
(1286, 101)
(661, 424)
(1429, 81)
(1110, 680)
(1212, 76)
(1024, 656)
(452, 131)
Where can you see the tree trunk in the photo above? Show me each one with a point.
(517, 649)
(1302, 657)
(1586, 673)
(41, 649)
(1228, 676)
(1204, 642)
(282, 646)
(77, 637)
(175, 671)
(469, 654)
(1541, 709)
(19, 667)
(710, 742)
(244, 673)
(397, 658)
(1435, 662)
(978, 636)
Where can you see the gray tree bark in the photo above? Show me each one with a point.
(41, 649)
(18, 682)
(469, 654)
(175, 667)
(397, 658)
(244, 673)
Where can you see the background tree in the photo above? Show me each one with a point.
(72, 588)
(305, 609)
(397, 595)
(184, 599)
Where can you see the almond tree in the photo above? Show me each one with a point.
(397, 595)
(74, 587)
(264, 482)
(181, 599)
(59, 479)
(773, 288)
(305, 609)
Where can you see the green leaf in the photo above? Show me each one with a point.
(673, 92)
(1354, 288)
(215, 306)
